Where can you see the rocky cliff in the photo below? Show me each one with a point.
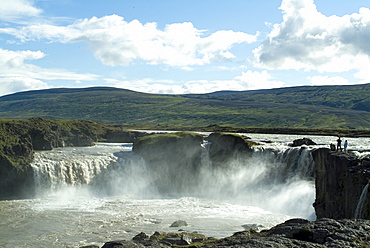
(340, 181)
(173, 160)
(20, 138)
(226, 147)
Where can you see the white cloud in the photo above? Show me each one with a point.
(309, 40)
(189, 87)
(116, 42)
(325, 80)
(10, 85)
(11, 10)
(249, 80)
(10, 60)
(258, 80)
(17, 75)
(212, 86)
(148, 85)
(12, 64)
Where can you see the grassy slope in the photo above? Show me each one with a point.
(315, 107)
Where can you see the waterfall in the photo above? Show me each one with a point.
(95, 169)
(361, 202)
(288, 163)
(53, 171)
(285, 180)
(274, 179)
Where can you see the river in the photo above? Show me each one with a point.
(90, 195)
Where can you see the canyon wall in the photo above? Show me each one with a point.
(340, 181)
(20, 138)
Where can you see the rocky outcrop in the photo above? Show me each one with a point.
(303, 141)
(20, 138)
(15, 176)
(302, 233)
(173, 159)
(294, 233)
(179, 223)
(226, 147)
(170, 147)
(177, 157)
(340, 182)
(122, 136)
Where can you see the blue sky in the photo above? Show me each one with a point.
(175, 47)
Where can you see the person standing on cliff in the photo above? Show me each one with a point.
(345, 145)
(339, 144)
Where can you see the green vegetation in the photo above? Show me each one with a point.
(158, 139)
(158, 142)
(19, 138)
(323, 107)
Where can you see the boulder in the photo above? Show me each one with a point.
(179, 223)
(302, 233)
(303, 141)
(140, 236)
(292, 233)
(122, 244)
(172, 239)
(226, 147)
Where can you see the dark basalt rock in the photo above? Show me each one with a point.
(303, 233)
(226, 147)
(20, 138)
(122, 136)
(340, 180)
(179, 223)
(294, 233)
(140, 236)
(303, 141)
(174, 157)
(122, 244)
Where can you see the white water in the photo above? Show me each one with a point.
(361, 202)
(96, 194)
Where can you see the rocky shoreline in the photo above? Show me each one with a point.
(294, 233)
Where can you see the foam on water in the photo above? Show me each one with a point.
(90, 195)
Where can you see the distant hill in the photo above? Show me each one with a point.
(306, 106)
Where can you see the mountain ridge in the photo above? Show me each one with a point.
(300, 106)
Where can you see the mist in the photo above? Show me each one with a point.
(279, 181)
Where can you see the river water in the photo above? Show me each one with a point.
(91, 195)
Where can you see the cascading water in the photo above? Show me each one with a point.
(275, 180)
(97, 170)
(287, 184)
(90, 195)
(361, 202)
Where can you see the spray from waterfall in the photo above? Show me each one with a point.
(278, 180)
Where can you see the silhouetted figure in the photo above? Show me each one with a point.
(332, 147)
(339, 144)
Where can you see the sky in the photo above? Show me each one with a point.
(183, 46)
